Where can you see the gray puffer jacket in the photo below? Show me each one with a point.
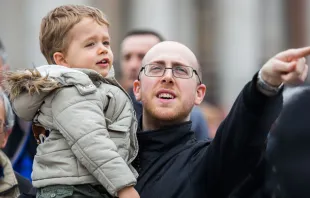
(89, 126)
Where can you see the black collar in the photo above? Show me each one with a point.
(165, 138)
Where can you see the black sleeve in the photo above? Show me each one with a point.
(240, 140)
(289, 153)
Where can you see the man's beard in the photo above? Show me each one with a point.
(167, 115)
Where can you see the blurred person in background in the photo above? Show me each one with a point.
(21, 145)
(263, 182)
(290, 152)
(134, 46)
(11, 183)
(214, 117)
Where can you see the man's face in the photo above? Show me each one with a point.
(3, 134)
(89, 47)
(133, 49)
(169, 99)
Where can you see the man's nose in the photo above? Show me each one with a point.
(168, 76)
(134, 63)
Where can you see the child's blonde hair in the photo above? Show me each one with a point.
(58, 22)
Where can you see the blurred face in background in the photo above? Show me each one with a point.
(4, 135)
(133, 49)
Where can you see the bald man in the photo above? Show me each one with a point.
(134, 46)
(171, 163)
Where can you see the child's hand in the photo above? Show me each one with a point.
(128, 192)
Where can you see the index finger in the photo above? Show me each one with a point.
(292, 54)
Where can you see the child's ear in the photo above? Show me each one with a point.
(59, 59)
(136, 89)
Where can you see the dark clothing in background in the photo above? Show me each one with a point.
(284, 172)
(21, 148)
(172, 163)
(25, 187)
(290, 155)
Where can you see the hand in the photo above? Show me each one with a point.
(128, 192)
(288, 67)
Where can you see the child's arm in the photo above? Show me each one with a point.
(81, 120)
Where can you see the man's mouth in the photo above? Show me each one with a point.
(166, 96)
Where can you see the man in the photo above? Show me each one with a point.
(171, 163)
(21, 145)
(12, 184)
(133, 48)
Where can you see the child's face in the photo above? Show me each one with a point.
(89, 47)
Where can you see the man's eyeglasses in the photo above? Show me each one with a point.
(180, 71)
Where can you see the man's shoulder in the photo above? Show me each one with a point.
(195, 146)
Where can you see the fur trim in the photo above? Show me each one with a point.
(30, 80)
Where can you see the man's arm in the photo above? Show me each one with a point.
(240, 141)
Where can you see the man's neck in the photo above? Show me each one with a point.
(150, 123)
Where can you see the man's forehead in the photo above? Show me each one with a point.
(139, 43)
(170, 58)
(172, 52)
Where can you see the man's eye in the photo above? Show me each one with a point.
(127, 57)
(181, 70)
(141, 56)
(156, 68)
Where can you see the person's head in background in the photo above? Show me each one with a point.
(135, 45)
(3, 60)
(6, 119)
(77, 36)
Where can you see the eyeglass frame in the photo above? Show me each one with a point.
(193, 71)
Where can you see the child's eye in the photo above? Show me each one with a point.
(90, 44)
(106, 43)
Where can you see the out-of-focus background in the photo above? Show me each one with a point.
(232, 39)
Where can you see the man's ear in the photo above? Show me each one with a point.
(200, 93)
(137, 89)
(59, 59)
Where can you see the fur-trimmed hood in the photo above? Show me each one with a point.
(28, 88)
